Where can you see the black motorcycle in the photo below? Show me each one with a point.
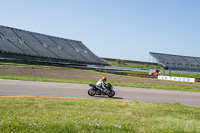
(95, 91)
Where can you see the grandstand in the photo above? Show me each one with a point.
(177, 62)
(28, 47)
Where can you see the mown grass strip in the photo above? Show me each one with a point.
(114, 83)
(99, 116)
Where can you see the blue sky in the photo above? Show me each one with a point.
(122, 29)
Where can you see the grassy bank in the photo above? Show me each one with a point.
(114, 83)
(99, 116)
(133, 65)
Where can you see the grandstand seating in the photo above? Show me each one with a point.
(177, 62)
(24, 45)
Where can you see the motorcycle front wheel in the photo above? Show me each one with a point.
(91, 92)
(111, 94)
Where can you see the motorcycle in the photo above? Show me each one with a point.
(95, 91)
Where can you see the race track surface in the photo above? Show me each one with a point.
(32, 88)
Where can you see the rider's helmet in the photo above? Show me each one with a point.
(104, 79)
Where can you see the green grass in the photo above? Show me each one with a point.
(95, 116)
(134, 65)
(114, 83)
(15, 65)
(45, 79)
(189, 75)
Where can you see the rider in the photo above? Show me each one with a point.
(101, 84)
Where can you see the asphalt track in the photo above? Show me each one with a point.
(51, 89)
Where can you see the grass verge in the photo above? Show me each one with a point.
(114, 83)
(95, 116)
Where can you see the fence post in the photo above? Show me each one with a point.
(169, 72)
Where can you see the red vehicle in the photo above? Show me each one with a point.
(154, 72)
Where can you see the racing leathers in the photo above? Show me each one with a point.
(101, 85)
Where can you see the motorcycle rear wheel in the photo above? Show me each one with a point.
(91, 92)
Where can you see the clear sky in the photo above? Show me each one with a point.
(122, 29)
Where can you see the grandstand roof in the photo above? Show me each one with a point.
(45, 47)
(177, 62)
